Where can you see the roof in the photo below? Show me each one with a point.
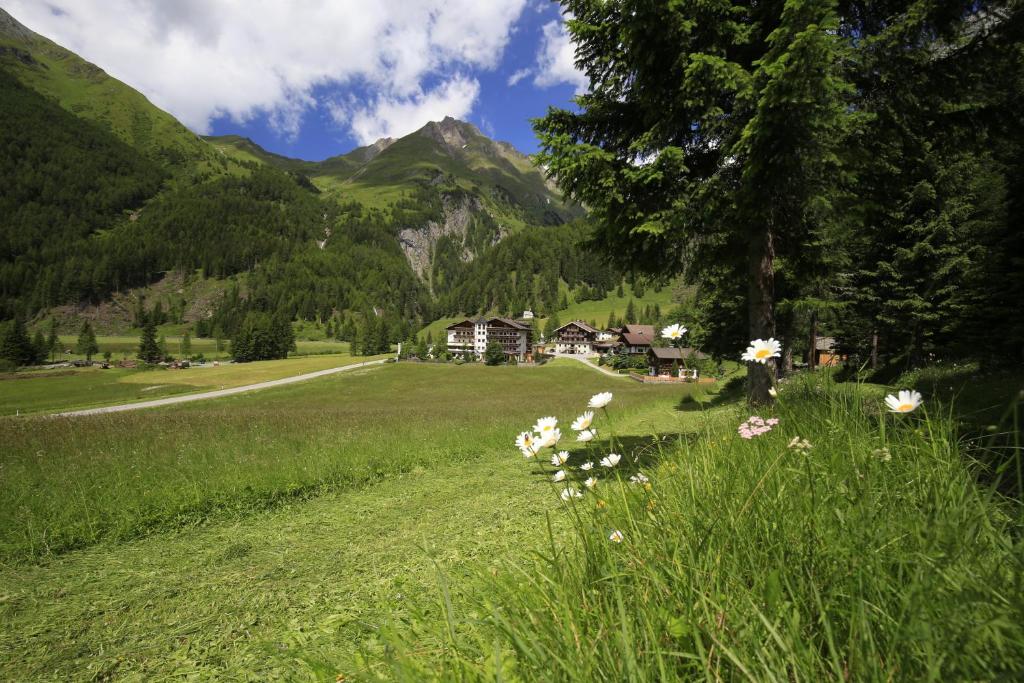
(507, 321)
(673, 353)
(512, 323)
(824, 343)
(579, 323)
(634, 339)
(644, 330)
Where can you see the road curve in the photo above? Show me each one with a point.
(588, 362)
(171, 400)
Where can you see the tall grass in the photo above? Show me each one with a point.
(876, 555)
(69, 483)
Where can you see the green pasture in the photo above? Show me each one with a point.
(60, 389)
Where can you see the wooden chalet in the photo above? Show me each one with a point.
(825, 352)
(663, 359)
(576, 337)
(636, 339)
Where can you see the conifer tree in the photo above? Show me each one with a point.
(149, 350)
(630, 315)
(52, 339)
(87, 341)
(186, 345)
(39, 348)
(702, 121)
(15, 345)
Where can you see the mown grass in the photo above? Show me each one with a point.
(69, 483)
(876, 555)
(49, 391)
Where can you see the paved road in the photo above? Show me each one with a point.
(588, 362)
(171, 400)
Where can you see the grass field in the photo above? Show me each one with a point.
(127, 346)
(274, 534)
(382, 524)
(47, 391)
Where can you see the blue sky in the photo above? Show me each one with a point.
(502, 111)
(318, 78)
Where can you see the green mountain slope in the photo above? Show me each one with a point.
(106, 193)
(442, 153)
(88, 92)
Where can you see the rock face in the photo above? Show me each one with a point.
(418, 243)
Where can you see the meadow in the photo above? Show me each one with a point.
(275, 533)
(60, 389)
(127, 346)
(382, 524)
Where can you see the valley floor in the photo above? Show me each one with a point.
(178, 581)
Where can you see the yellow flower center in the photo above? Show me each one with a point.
(762, 353)
(548, 428)
(905, 407)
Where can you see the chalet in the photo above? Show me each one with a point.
(825, 352)
(473, 336)
(576, 337)
(636, 339)
(664, 359)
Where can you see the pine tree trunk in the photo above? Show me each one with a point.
(760, 311)
(812, 352)
(874, 349)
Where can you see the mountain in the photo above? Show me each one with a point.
(446, 179)
(91, 94)
(105, 195)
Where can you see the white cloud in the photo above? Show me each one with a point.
(391, 117)
(199, 59)
(518, 76)
(556, 60)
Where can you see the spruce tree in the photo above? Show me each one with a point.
(87, 341)
(39, 348)
(630, 315)
(186, 345)
(149, 350)
(703, 125)
(52, 339)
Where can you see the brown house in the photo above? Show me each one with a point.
(825, 352)
(636, 338)
(663, 359)
(575, 337)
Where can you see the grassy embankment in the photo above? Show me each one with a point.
(276, 534)
(48, 391)
(873, 555)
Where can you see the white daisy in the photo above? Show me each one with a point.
(673, 332)
(590, 483)
(639, 478)
(905, 402)
(527, 443)
(586, 435)
(571, 493)
(583, 421)
(600, 400)
(545, 425)
(760, 350)
(550, 438)
(587, 466)
(611, 460)
(559, 458)
(559, 476)
(616, 536)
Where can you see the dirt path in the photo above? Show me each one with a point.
(171, 400)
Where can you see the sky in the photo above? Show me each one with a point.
(316, 78)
